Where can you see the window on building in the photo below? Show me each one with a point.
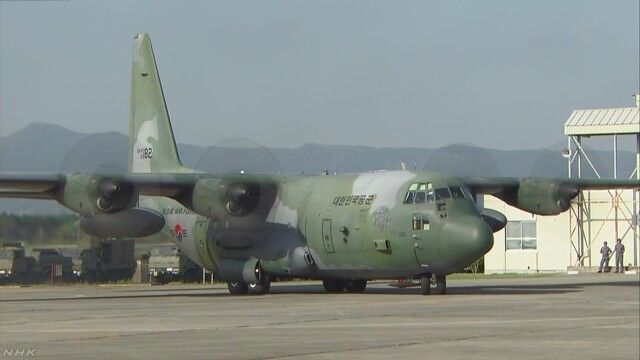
(521, 235)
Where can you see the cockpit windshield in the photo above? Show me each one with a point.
(456, 192)
(421, 193)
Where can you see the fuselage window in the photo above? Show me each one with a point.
(442, 193)
(420, 222)
(456, 192)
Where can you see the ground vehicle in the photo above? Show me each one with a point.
(168, 263)
(108, 260)
(51, 264)
(15, 267)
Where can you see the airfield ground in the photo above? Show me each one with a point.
(554, 317)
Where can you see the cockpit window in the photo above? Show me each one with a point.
(456, 192)
(468, 194)
(442, 194)
(409, 198)
(419, 193)
(431, 196)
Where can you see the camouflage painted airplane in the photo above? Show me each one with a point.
(250, 228)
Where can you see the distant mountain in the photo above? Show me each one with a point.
(52, 148)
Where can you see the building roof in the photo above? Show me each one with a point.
(603, 122)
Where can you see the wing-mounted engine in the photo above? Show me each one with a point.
(239, 208)
(107, 206)
(89, 194)
(541, 196)
(240, 200)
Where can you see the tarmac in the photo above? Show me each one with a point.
(595, 316)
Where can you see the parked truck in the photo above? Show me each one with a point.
(167, 264)
(108, 260)
(15, 266)
(51, 264)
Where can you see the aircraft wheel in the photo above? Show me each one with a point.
(333, 286)
(260, 287)
(355, 286)
(237, 287)
(425, 284)
(441, 284)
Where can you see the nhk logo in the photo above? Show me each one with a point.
(18, 352)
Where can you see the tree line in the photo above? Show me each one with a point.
(38, 228)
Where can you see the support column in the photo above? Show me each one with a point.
(615, 198)
(636, 199)
(580, 229)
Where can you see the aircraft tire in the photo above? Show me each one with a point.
(441, 284)
(355, 286)
(237, 287)
(425, 284)
(333, 285)
(260, 287)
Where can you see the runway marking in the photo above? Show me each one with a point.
(328, 326)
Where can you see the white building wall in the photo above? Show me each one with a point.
(554, 251)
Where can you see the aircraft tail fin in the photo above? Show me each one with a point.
(152, 147)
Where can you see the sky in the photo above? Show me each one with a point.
(499, 74)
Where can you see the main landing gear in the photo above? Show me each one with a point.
(352, 286)
(440, 281)
(260, 287)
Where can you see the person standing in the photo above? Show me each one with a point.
(619, 250)
(606, 253)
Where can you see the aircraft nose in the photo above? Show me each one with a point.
(469, 237)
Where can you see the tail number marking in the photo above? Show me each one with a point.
(145, 153)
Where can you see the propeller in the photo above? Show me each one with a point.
(243, 198)
(114, 196)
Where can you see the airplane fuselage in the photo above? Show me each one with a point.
(372, 225)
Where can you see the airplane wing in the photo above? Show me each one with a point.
(540, 195)
(497, 185)
(90, 194)
(52, 185)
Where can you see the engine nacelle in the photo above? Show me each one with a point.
(542, 196)
(128, 223)
(90, 194)
(233, 197)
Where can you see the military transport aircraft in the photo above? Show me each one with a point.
(250, 228)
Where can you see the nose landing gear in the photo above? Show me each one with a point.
(440, 282)
(260, 287)
(237, 287)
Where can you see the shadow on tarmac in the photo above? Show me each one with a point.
(316, 289)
